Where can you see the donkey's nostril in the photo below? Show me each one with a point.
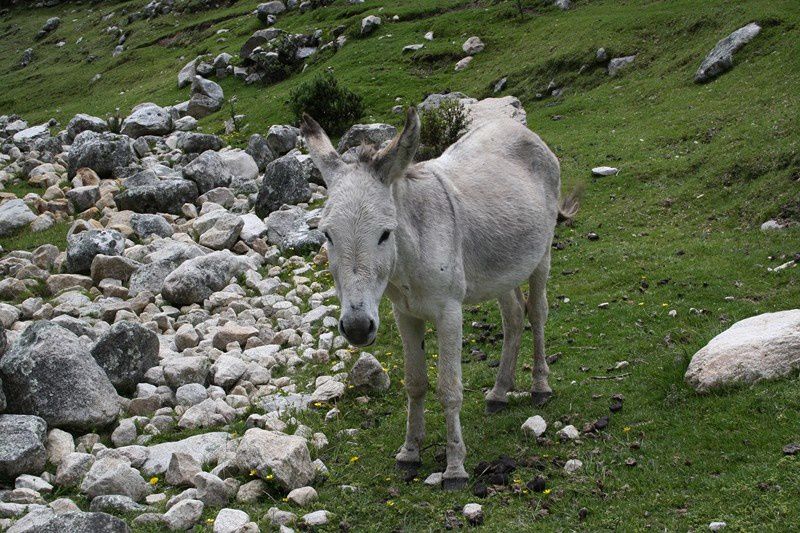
(371, 326)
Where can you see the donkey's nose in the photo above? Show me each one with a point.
(359, 330)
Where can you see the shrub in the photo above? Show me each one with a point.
(335, 107)
(441, 127)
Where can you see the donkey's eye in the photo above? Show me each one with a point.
(327, 236)
(384, 236)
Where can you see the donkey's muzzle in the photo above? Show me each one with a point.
(358, 328)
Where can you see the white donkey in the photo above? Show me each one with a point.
(470, 226)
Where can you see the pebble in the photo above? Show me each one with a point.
(572, 466)
(605, 171)
(535, 426)
(474, 513)
(716, 526)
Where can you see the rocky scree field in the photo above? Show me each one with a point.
(170, 358)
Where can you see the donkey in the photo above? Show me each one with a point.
(470, 226)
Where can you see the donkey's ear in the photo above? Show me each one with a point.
(392, 162)
(322, 152)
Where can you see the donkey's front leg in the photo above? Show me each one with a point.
(412, 333)
(451, 393)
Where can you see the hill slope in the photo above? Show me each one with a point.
(702, 166)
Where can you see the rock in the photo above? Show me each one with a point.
(184, 515)
(224, 234)
(197, 143)
(14, 215)
(114, 476)
(84, 246)
(182, 469)
(569, 432)
(208, 413)
(190, 394)
(535, 426)
(368, 372)
(207, 98)
(473, 512)
(373, 134)
(186, 123)
(22, 448)
(303, 496)
(369, 24)
(716, 526)
(50, 373)
(126, 352)
(73, 468)
(116, 503)
(208, 171)
(27, 57)
(285, 182)
(230, 521)
(82, 198)
(619, 63)
(211, 490)
(59, 445)
(105, 153)
(35, 519)
(572, 466)
(233, 332)
(473, 45)
(605, 171)
(147, 119)
(125, 434)
(259, 149)
(251, 491)
(253, 228)
(112, 266)
(78, 522)
(27, 481)
(762, 347)
(180, 371)
(464, 63)
(266, 11)
(186, 337)
(195, 280)
(243, 170)
(164, 196)
(282, 139)
(205, 448)
(227, 371)
(330, 390)
(187, 73)
(80, 123)
(31, 134)
(145, 225)
(771, 225)
(271, 452)
(315, 519)
(720, 59)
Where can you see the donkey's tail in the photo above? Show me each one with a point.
(569, 205)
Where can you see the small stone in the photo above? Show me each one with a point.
(716, 526)
(473, 513)
(184, 514)
(317, 518)
(464, 63)
(535, 426)
(473, 45)
(434, 480)
(573, 465)
(791, 449)
(568, 433)
(230, 521)
(605, 171)
(303, 496)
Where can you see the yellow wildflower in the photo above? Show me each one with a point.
(626, 429)
(353, 459)
(253, 472)
(153, 480)
(546, 491)
(390, 503)
(270, 476)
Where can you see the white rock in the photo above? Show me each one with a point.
(303, 496)
(434, 480)
(474, 513)
(716, 526)
(464, 63)
(535, 426)
(473, 45)
(184, 514)
(568, 433)
(572, 466)
(317, 518)
(230, 521)
(605, 171)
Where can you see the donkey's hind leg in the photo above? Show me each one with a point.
(512, 309)
(537, 314)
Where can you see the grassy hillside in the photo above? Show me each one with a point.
(701, 167)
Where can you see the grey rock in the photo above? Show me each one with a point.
(368, 372)
(211, 490)
(208, 171)
(231, 521)
(759, 348)
(187, 73)
(22, 448)
(14, 215)
(184, 515)
(147, 119)
(82, 198)
(285, 456)
(190, 394)
(50, 373)
(179, 371)
(206, 448)
(165, 196)
(369, 24)
(182, 469)
(80, 123)
(372, 134)
(105, 153)
(196, 279)
(619, 63)
(207, 98)
(473, 45)
(109, 476)
(145, 225)
(116, 503)
(77, 522)
(224, 233)
(84, 246)
(73, 468)
(285, 181)
(260, 151)
(125, 353)
(114, 267)
(197, 143)
(282, 139)
(252, 228)
(720, 59)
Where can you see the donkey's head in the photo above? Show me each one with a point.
(359, 220)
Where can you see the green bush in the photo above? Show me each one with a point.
(335, 107)
(441, 127)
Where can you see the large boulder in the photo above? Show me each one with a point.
(81, 123)
(288, 229)
(109, 476)
(259, 150)
(197, 143)
(77, 522)
(758, 348)
(208, 171)
(720, 59)
(125, 352)
(145, 225)
(14, 215)
(282, 138)
(22, 449)
(161, 196)
(206, 448)
(243, 170)
(150, 277)
(50, 373)
(197, 278)
(147, 119)
(207, 97)
(275, 453)
(372, 134)
(285, 181)
(84, 246)
(104, 153)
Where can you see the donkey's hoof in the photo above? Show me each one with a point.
(541, 398)
(495, 406)
(408, 466)
(454, 483)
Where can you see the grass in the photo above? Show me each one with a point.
(701, 168)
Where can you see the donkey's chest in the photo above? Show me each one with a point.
(422, 292)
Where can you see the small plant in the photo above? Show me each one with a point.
(234, 120)
(441, 127)
(115, 121)
(335, 107)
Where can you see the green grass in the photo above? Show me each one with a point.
(701, 168)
